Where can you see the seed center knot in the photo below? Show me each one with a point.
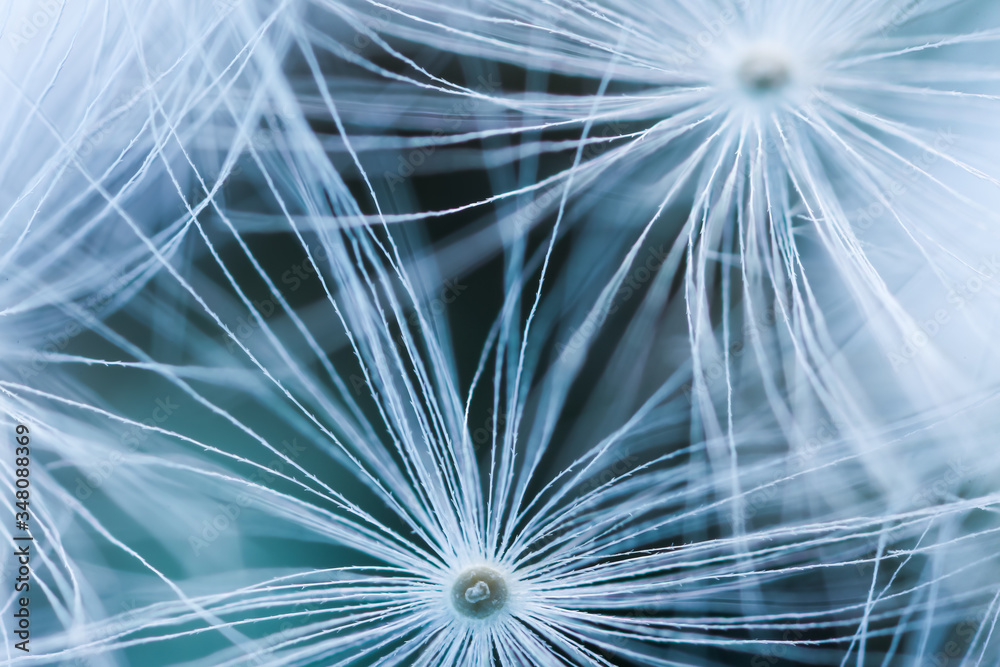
(479, 592)
(764, 71)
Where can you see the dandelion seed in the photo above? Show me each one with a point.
(822, 158)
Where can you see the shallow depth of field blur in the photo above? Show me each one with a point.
(352, 332)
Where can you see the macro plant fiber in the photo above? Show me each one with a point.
(571, 332)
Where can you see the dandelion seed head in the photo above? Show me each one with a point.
(479, 592)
